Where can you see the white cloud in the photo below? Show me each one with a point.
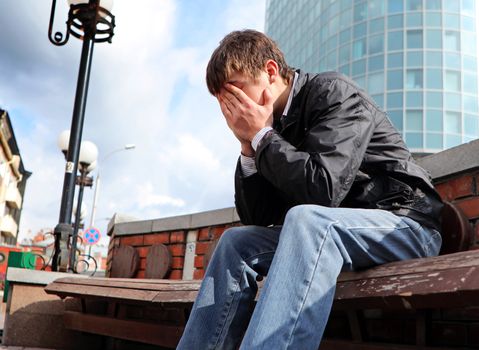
(147, 198)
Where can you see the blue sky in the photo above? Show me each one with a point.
(146, 88)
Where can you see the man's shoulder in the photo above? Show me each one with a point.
(325, 77)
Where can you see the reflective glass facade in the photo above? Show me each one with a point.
(416, 58)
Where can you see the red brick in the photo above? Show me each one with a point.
(476, 231)
(204, 234)
(470, 207)
(459, 187)
(176, 275)
(157, 238)
(142, 251)
(140, 274)
(177, 262)
(202, 247)
(199, 261)
(177, 237)
(217, 231)
(177, 249)
(198, 274)
(132, 240)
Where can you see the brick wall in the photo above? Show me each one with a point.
(189, 243)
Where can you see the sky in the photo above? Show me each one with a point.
(146, 88)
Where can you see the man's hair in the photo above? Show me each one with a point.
(245, 51)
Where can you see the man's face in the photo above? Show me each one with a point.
(252, 87)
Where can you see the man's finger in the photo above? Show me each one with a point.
(238, 93)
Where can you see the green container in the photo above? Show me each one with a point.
(24, 260)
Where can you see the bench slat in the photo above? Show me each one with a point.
(151, 333)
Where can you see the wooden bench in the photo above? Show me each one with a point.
(446, 281)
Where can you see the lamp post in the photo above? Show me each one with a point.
(87, 158)
(89, 21)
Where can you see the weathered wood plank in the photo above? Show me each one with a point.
(433, 264)
(456, 287)
(150, 333)
(332, 344)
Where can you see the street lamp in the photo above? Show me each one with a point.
(88, 160)
(91, 21)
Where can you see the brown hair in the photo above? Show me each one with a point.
(244, 51)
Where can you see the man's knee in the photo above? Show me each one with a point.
(234, 237)
(302, 213)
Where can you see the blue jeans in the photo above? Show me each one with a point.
(302, 259)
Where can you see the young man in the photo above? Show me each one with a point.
(324, 183)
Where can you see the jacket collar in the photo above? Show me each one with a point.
(293, 112)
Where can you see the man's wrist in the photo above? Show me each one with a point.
(247, 150)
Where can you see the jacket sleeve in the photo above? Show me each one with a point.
(323, 167)
(257, 201)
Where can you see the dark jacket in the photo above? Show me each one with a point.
(334, 148)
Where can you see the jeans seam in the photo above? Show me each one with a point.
(327, 235)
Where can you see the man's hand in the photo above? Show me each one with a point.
(243, 115)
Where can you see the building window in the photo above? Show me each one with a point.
(414, 59)
(396, 118)
(395, 79)
(360, 12)
(414, 79)
(376, 26)
(413, 99)
(395, 22)
(345, 36)
(344, 54)
(452, 123)
(471, 125)
(394, 100)
(376, 63)
(359, 48)
(451, 41)
(452, 6)
(395, 60)
(453, 141)
(376, 83)
(433, 19)
(359, 30)
(395, 40)
(433, 78)
(470, 103)
(468, 7)
(452, 81)
(414, 20)
(433, 39)
(376, 44)
(414, 139)
(452, 101)
(434, 120)
(452, 21)
(434, 99)
(414, 39)
(469, 63)
(376, 8)
(414, 120)
(433, 5)
(414, 5)
(452, 60)
(433, 141)
(359, 67)
(433, 59)
(470, 83)
(468, 23)
(395, 6)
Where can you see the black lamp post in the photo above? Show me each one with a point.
(91, 23)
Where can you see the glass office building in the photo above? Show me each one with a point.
(416, 58)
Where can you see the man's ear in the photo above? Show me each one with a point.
(272, 69)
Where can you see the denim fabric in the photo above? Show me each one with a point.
(302, 259)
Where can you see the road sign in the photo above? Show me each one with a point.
(91, 236)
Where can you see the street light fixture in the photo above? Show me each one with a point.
(88, 160)
(90, 21)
